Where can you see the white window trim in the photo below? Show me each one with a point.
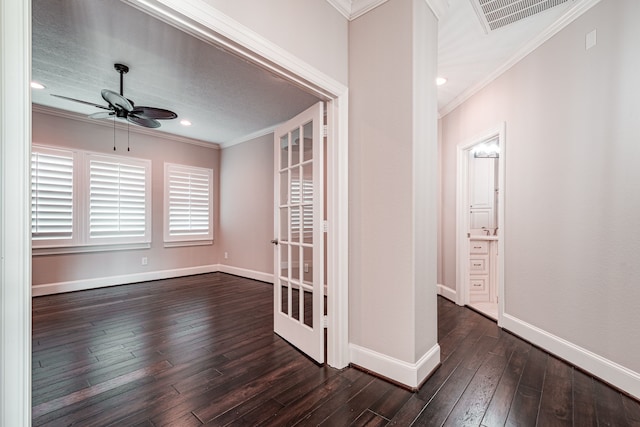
(186, 239)
(81, 242)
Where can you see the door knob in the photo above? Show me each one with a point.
(274, 241)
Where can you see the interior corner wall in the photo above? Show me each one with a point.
(572, 235)
(98, 267)
(384, 281)
(312, 30)
(246, 208)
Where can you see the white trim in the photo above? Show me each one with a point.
(439, 8)
(124, 279)
(203, 21)
(571, 15)
(37, 108)
(611, 372)
(15, 213)
(447, 292)
(360, 7)
(462, 214)
(337, 260)
(250, 137)
(410, 374)
(352, 9)
(244, 272)
(342, 6)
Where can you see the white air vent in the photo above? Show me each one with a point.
(494, 14)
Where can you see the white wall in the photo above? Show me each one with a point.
(312, 30)
(392, 166)
(246, 205)
(91, 267)
(572, 238)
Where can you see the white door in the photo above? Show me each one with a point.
(298, 308)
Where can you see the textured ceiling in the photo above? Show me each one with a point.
(76, 43)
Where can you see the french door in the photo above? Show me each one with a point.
(298, 303)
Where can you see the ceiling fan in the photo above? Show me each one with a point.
(124, 108)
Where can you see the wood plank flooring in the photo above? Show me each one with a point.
(201, 350)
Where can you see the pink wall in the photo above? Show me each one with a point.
(64, 132)
(246, 205)
(571, 193)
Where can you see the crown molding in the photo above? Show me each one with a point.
(567, 18)
(343, 6)
(351, 9)
(37, 108)
(439, 7)
(251, 136)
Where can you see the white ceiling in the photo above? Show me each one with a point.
(76, 43)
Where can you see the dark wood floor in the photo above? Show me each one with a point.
(200, 350)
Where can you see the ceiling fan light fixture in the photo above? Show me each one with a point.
(37, 85)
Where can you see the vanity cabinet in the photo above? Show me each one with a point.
(483, 258)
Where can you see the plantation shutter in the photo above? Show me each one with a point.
(302, 194)
(51, 194)
(117, 201)
(189, 203)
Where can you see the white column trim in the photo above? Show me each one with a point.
(411, 375)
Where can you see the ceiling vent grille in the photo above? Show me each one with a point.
(494, 14)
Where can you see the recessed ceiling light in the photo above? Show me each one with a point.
(36, 85)
(440, 81)
(185, 122)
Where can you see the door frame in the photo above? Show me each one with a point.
(463, 217)
(203, 21)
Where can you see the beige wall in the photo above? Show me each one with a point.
(391, 292)
(572, 238)
(312, 30)
(246, 205)
(63, 132)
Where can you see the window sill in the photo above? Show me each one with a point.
(188, 243)
(38, 251)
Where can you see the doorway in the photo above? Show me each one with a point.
(480, 223)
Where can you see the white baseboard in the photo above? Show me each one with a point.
(409, 374)
(101, 282)
(244, 272)
(611, 372)
(448, 293)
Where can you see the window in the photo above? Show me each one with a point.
(52, 196)
(83, 201)
(118, 199)
(302, 194)
(188, 204)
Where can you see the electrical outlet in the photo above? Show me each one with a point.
(144, 261)
(226, 255)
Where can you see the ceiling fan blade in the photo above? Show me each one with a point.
(81, 101)
(154, 113)
(143, 121)
(102, 115)
(116, 100)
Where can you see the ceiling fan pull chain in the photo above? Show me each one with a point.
(128, 137)
(114, 133)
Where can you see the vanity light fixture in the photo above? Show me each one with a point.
(440, 81)
(36, 85)
(487, 150)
